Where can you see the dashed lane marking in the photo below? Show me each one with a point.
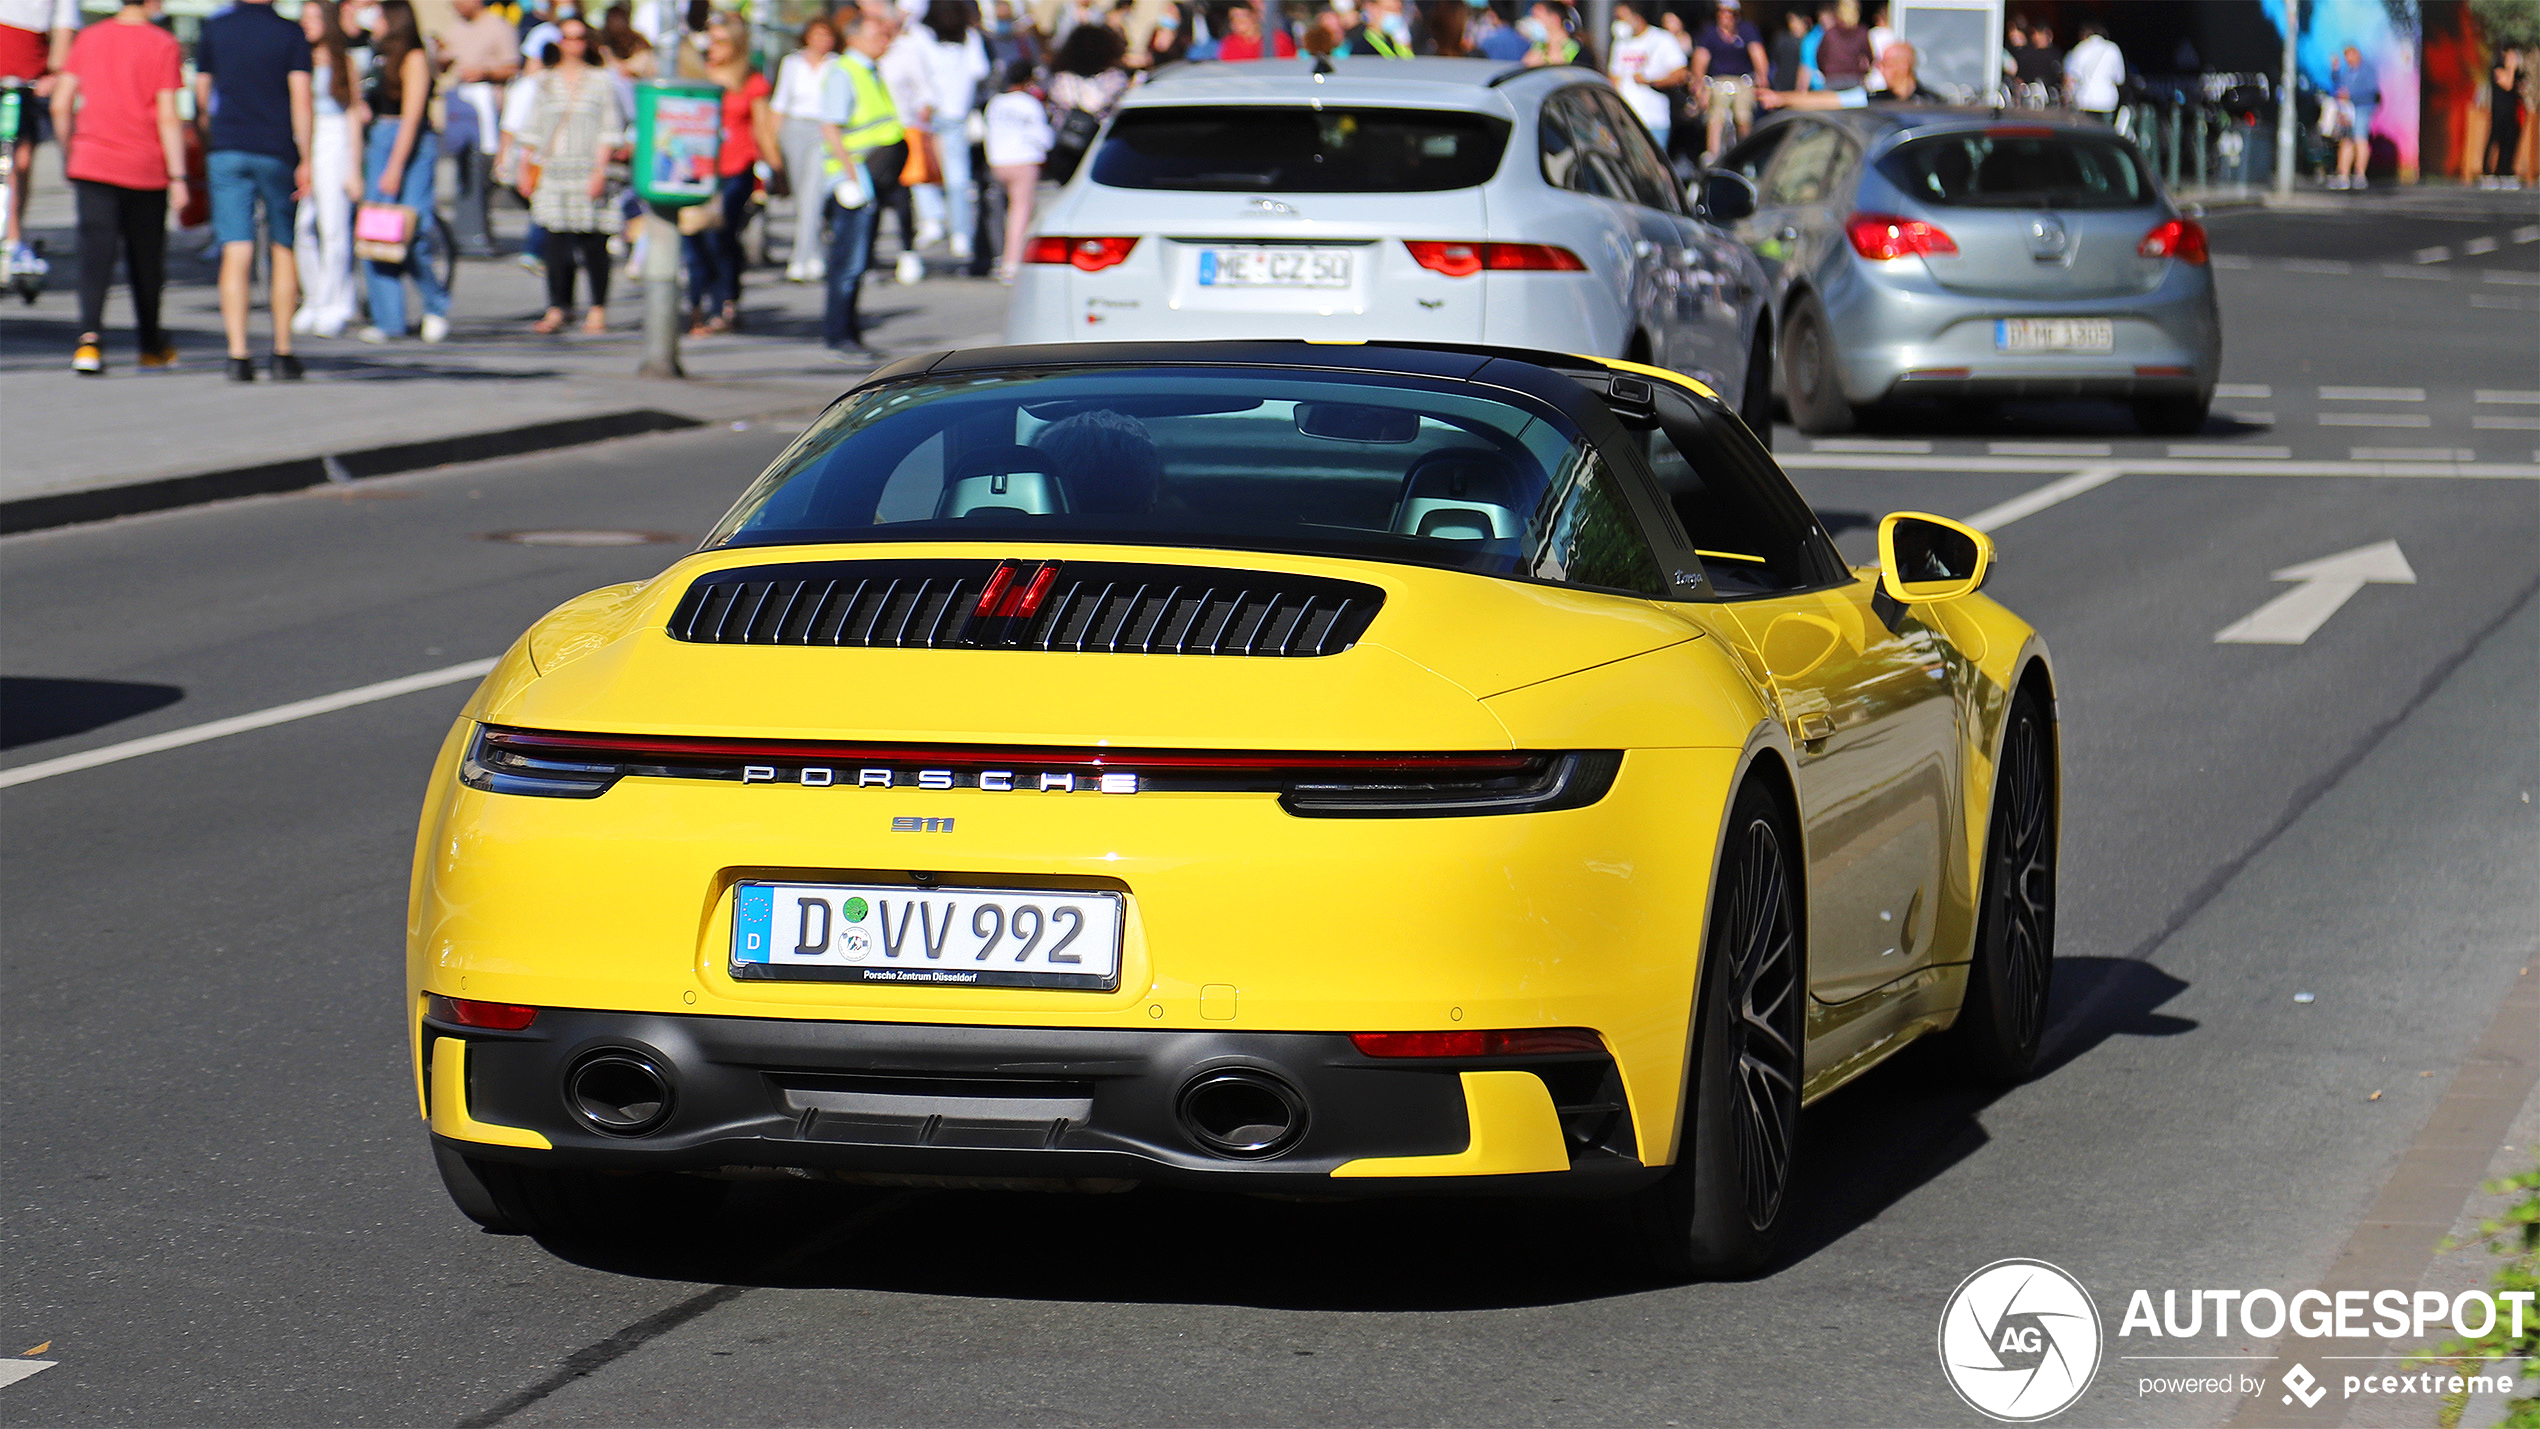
(2508, 397)
(2228, 451)
(2411, 454)
(241, 724)
(2053, 493)
(2505, 424)
(1869, 444)
(2049, 448)
(2527, 235)
(2372, 394)
(2375, 419)
(2256, 391)
(2437, 254)
(2477, 246)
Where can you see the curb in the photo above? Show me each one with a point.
(72, 508)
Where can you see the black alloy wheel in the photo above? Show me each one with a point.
(1720, 1211)
(2004, 1017)
(1809, 380)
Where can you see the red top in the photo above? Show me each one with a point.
(115, 136)
(740, 141)
(1235, 47)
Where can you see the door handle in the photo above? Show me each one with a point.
(1813, 728)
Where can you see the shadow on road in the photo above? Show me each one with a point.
(34, 710)
(2022, 419)
(1863, 1150)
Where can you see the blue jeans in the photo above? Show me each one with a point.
(850, 254)
(386, 281)
(715, 259)
(239, 180)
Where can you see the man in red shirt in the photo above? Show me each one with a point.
(123, 146)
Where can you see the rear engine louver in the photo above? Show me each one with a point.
(1098, 607)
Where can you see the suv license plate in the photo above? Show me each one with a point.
(942, 937)
(1274, 267)
(2054, 335)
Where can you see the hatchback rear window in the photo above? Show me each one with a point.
(1294, 149)
(2033, 169)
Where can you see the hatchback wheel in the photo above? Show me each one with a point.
(1817, 404)
(1720, 1211)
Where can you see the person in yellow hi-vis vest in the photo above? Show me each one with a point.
(867, 149)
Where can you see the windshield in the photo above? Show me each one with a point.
(2030, 169)
(1375, 467)
(1294, 149)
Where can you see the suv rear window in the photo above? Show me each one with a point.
(2019, 169)
(1294, 149)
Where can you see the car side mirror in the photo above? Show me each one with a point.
(1923, 559)
(1722, 196)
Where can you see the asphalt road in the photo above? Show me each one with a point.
(220, 1207)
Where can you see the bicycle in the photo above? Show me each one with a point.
(26, 282)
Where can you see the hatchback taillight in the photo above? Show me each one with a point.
(1883, 236)
(1463, 260)
(1090, 255)
(2180, 238)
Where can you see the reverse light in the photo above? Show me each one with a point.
(494, 1016)
(1518, 1042)
(2180, 238)
(1463, 260)
(1089, 255)
(1882, 237)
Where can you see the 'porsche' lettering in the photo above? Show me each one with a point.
(996, 779)
(877, 778)
(1064, 783)
(934, 778)
(820, 778)
(1120, 783)
(758, 774)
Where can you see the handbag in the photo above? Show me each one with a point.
(383, 231)
(924, 166)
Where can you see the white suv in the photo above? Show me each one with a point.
(1430, 200)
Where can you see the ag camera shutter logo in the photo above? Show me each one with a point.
(2020, 1341)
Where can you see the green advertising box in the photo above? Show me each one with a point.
(678, 134)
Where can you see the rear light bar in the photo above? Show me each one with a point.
(1311, 785)
(2180, 238)
(1463, 260)
(494, 1016)
(1519, 1042)
(1882, 237)
(1090, 255)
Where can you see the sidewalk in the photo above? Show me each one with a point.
(83, 448)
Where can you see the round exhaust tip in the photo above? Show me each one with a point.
(620, 1092)
(1243, 1113)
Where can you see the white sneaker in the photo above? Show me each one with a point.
(435, 327)
(304, 321)
(794, 271)
(911, 268)
(372, 334)
(929, 234)
(961, 248)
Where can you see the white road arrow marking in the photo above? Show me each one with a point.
(11, 1371)
(2326, 584)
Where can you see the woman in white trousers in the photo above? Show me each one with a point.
(326, 218)
(799, 78)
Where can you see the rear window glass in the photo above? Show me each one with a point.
(1294, 149)
(1992, 169)
(1341, 464)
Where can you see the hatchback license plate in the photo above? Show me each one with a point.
(946, 937)
(1274, 267)
(2054, 335)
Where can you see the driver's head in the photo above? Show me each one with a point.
(1106, 462)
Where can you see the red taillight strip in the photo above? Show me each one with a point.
(1516, 1042)
(1463, 260)
(552, 744)
(496, 1016)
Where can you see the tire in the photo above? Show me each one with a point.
(2013, 973)
(555, 1204)
(1809, 377)
(1719, 1213)
(2172, 416)
(1755, 406)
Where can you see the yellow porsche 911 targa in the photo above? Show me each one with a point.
(1261, 766)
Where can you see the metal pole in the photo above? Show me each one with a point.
(661, 296)
(1596, 30)
(2285, 107)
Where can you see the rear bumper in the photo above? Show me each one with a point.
(1088, 1107)
(1902, 335)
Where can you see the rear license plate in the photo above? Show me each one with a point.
(1274, 267)
(2054, 335)
(949, 937)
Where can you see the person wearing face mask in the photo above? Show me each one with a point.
(1384, 31)
(1492, 36)
(1648, 63)
(1548, 40)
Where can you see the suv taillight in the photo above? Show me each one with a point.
(1884, 236)
(1463, 260)
(1090, 255)
(2180, 238)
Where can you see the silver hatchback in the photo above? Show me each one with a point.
(1960, 255)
